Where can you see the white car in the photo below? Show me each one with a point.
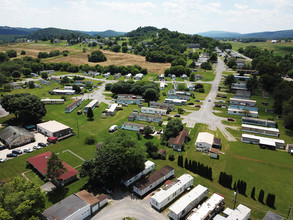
(1, 160)
(37, 147)
(27, 150)
(209, 100)
(113, 128)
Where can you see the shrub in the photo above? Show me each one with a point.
(201, 90)
(171, 157)
(90, 140)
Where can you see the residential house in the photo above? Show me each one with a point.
(177, 143)
(190, 86)
(54, 129)
(128, 76)
(198, 77)
(161, 105)
(167, 194)
(243, 77)
(184, 205)
(135, 126)
(161, 77)
(263, 142)
(117, 75)
(48, 72)
(240, 63)
(13, 136)
(149, 167)
(144, 185)
(178, 96)
(55, 79)
(106, 75)
(34, 75)
(68, 87)
(71, 107)
(144, 117)
(173, 77)
(129, 99)
(184, 76)
(182, 93)
(40, 161)
(243, 111)
(154, 111)
(208, 208)
(138, 76)
(238, 86)
(240, 213)
(52, 101)
(240, 94)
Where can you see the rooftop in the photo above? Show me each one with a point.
(180, 139)
(260, 128)
(73, 103)
(53, 126)
(89, 198)
(205, 137)
(264, 140)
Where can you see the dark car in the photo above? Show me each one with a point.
(224, 96)
(231, 119)
(196, 105)
(2, 147)
(16, 151)
(11, 155)
(177, 116)
(197, 100)
(218, 105)
(42, 144)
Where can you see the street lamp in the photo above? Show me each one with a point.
(235, 195)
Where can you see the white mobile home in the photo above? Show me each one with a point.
(161, 105)
(155, 111)
(206, 210)
(134, 126)
(138, 76)
(176, 101)
(261, 130)
(112, 109)
(69, 108)
(242, 112)
(172, 191)
(244, 102)
(183, 205)
(149, 166)
(263, 141)
(260, 122)
(93, 104)
(204, 141)
(68, 87)
(147, 184)
(240, 213)
(162, 85)
(52, 101)
(63, 92)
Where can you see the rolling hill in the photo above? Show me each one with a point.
(5, 30)
(108, 33)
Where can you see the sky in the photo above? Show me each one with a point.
(185, 16)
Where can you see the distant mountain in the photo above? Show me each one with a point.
(142, 31)
(5, 30)
(48, 33)
(266, 35)
(108, 33)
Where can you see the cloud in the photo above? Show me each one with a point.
(240, 7)
(276, 3)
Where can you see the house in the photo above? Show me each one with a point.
(63, 92)
(45, 82)
(93, 104)
(117, 75)
(128, 76)
(183, 205)
(34, 75)
(243, 102)
(179, 93)
(161, 105)
(289, 148)
(263, 142)
(106, 75)
(240, 213)
(184, 76)
(48, 72)
(261, 122)
(161, 77)
(177, 143)
(198, 77)
(52, 101)
(145, 185)
(208, 208)
(167, 194)
(138, 76)
(54, 129)
(13, 136)
(69, 108)
(190, 86)
(135, 127)
(40, 161)
(178, 96)
(272, 216)
(214, 153)
(68, 87)
(176, 101)
(204, 141)
(144, 117)
(243, 77)
(238, 86)
(163, 85)
(260, 130)
(154, 111)
(112, 109)
(149, 167)
(55, 79)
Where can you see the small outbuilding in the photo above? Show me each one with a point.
(14, 136)
(272, 216)
(214, 153)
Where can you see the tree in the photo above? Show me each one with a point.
(90, 114)
(116, 48)
(97, 56)
(11, 53)
(124, 49)
(21, 199)
(90, 140)
(108, 86)
(151, 148)
(44, 75)
(151, 94)
(147, 131)
(26, 71)
(55, 167)
(173, 128)
(252, 194)
(229, 81)
(15, 74)
(171, 157)
(31, 84)
(120, 156)
(206, 66)
(24, 106)
(231, 63)
(23, 52)
(252, 83)
(192, 77)
(3, 57)
(261, 196)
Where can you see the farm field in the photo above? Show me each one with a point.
(278, 48)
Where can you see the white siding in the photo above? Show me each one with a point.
(80, 214)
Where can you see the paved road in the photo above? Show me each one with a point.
(241, 55)
(205, 115)
(129, 207)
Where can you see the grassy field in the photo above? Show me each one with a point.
(278, 48)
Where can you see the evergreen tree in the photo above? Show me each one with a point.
(270, 201)
(90, 114)
(252, 194)
(55, 167)
(261, 196)
(178, 161)
(186, 163)
(234, 186)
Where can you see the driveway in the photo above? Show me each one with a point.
(129, 206)
(205, 115)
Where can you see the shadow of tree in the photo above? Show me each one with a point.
(57, 195)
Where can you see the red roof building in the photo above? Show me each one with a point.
(39, 162)
(177, 143)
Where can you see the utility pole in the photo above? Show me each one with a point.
(289, 213)
(235, 195)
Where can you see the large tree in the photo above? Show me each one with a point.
(55, 167)
(120, 156)
(90, 114)
(21, 199)
(173, 128)
(24, 106)
(229, 81)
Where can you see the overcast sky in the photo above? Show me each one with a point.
(186, 16)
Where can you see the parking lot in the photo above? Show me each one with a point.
(38, 137)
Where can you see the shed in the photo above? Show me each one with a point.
(214, 153)
(13, 136)
(217, 143)
(90, 199)
(272, 216)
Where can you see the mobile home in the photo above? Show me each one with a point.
(261, 130)
(263, 141)
(93, 104)
(155, 111)
(260, 122)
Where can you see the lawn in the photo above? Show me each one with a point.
(208, 75)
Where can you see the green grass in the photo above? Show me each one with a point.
(208, 75)
(35, 178)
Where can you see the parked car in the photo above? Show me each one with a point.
(1, 160)
(79, 112)
(37, 147)
(231, 119)
(124, 104)
(218, 105)
(159, 131)
(11, 155)
(224, 96)
(177, 116)
(196, 105)
(2, 147)
(197, 100)
(113, 128)
(27, 150)
(16, 151)
(42, 144)
(52, 140)
(209, 100)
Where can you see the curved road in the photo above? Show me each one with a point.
(205, 115)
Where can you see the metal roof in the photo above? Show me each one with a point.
(10, 133)
(52, 126)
